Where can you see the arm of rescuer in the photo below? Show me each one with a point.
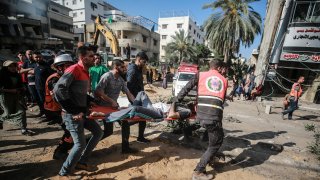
(99, 92)
(62, 94)
(296, 90)
(184, 91)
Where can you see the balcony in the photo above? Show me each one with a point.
(61, 34)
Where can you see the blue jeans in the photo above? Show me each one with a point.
(80, 150)
(293, 105)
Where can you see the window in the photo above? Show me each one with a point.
(61, 26)
(93, 6)
(179, 26)
(93, 17)
(194, 31)
(163, 47)
(144, 38)
(189, 27)
(74, 14)
(67, 4)
(81, 12)
(164, 26)
(164, 37)
(185, 77)
(74, 2)
(315, 16)
(307, 12)
(155, 42)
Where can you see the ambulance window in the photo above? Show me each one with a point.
(185, 77)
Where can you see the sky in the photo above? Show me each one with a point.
(151, 9)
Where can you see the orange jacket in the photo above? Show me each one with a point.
(50, 104)
(212, 88)
(293, 89)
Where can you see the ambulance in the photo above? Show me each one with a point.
(185, 73)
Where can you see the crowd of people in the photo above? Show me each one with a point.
(65, 89)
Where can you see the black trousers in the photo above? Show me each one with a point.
(125, 131)
(215, 134)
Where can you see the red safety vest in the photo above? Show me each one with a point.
(50, 104)
(293, 89)
(212, 88)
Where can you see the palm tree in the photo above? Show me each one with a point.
(180, 45)
(237, 22)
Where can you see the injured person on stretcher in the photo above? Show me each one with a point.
(143, 109)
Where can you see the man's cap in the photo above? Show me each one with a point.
(8, 63)
(142, 55)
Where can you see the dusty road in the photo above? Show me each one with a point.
(250, 138)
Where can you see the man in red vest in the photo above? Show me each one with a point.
(212, 87)
(295, 93)
(61, 63)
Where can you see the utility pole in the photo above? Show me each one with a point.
(274, 11)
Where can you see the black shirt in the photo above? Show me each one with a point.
(42, 72)
(134, 79)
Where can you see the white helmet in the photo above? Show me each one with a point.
(62, 59)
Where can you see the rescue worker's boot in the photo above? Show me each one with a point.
(61, 152)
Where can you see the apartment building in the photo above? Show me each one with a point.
(169, 24)
(84, 12)
(34, 24)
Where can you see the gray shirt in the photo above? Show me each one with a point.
(111, 87)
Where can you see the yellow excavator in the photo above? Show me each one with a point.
(108, 34)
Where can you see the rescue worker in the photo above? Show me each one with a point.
(295, 93)
(71, 93)
(61, 63)
(212, 87)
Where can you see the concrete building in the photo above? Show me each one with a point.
(34, 24)
(170, 23)
(84, 12)
(128, 30)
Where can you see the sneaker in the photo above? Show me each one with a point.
(143, 140)
(69, 177)
(86, 167)
(201, 176)
(27, 132)
(129, 151)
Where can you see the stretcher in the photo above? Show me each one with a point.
(108, 110)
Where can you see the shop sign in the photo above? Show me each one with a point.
(300, 57)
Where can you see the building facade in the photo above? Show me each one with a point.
(167, 26)
(295, 47)
(84, 12)
(34, 24)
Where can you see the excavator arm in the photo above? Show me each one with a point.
(108, 34)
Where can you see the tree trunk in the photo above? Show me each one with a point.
(180, 57)
(226, 55)
(272, 19)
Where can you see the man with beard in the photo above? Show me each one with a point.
(135, 85)
(107, 93)
(70, 92)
